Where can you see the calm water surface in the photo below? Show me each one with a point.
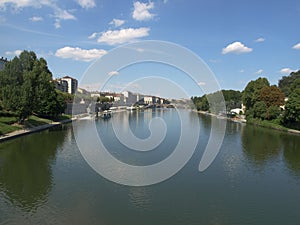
(255, 179)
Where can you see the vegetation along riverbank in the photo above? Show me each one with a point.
(272, 106)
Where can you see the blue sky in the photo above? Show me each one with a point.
(239, 40)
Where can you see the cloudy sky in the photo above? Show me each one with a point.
(239, 40)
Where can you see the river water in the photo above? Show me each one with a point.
(255, 178)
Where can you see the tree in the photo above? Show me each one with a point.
(273, 112)
(260, 110)
(272, 96)
(291, 116)
(201, 103)
(233, 99)
(251, 93)
(287, 83)
(27, 87)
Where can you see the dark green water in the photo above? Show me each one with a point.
(255, 179)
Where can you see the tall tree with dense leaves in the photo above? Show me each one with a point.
(272, 96)
(251, 93)
(292, 110)
(288, 83)
(27, 87)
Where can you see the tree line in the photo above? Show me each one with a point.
(27, 88)
(264, 101)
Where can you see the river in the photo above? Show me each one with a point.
(255, 178)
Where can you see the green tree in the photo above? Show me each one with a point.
(27, 87)
(291, 116)
(233, 99)
(273, 112)
(260, 110)
(201, 103)
(288, 83)
(251, 93)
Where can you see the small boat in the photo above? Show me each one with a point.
(106, 114)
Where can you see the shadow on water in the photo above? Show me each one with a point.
(263, 145)
(25, 168)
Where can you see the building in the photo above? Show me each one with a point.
(72, 84)
(67, 84)
(61, 85)
(131, 98)
(82, 91)
(2, 62)
(95, 94)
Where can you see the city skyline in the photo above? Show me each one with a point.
(238, 41)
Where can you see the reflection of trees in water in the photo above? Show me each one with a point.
(25, 167)
(260, 144)
(291, 154)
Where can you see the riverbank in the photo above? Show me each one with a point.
(29, 130)
(265, 124)
(236, 119)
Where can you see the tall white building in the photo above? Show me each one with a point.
(72, 84)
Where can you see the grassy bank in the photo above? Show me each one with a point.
(273, 124)
(9, 123)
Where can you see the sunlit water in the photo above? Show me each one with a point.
(255, 178)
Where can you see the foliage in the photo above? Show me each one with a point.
(260, 110)
(251, 93)
(27, 87)
(103, 99)
(272, 96)
(267, 123)
(289, 83)
(200, 103)
(291, 116)
(214, 101)
(273, 112)
(232, 98)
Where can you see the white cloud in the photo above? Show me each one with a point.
(93, 35)
(117, 22)
(86, 4)
(58, 13)
(63, 14)
(286, 70)
(79, 54)
(36, 19)
(141, 11)
(260, 39)
(236, 48)
(297, 46)
(16, 52)
(18, 4)
(259, 72)
(113, 73)
(242, 71)
(113, 37)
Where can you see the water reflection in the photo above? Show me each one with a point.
(262, 145)
(25, 168)
(291, 153)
